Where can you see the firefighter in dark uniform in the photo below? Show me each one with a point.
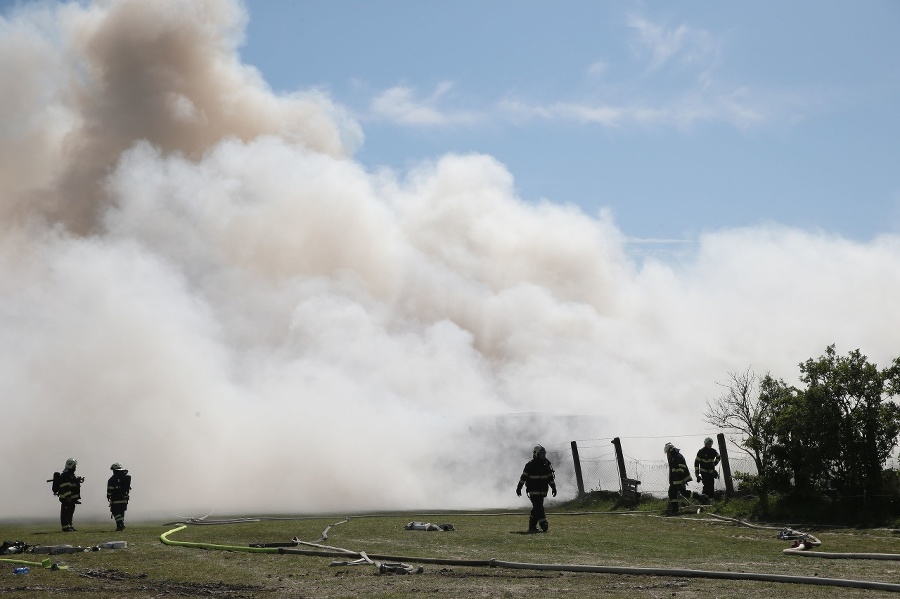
(537, 477)
(69, 494)
(117, 489)
(679, 477)
(705, 467)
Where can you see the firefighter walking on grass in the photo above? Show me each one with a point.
(117, 489)
(679, 477)
(537, 478)
(705, 467)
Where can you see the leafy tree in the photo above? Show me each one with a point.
(857, 423)
(801, 437)
(831, 437)
(782, 407)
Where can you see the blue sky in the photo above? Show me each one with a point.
(679, 118)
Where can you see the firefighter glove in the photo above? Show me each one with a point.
(697, 473)
(554, 491)
(519, 490)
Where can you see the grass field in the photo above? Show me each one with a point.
(584, 533)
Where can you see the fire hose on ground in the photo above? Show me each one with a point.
(833, 555)
(42, 564)
(805, 542)
(392, 561)
(19, 547)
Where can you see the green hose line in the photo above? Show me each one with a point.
(165, 539)
(44, 564)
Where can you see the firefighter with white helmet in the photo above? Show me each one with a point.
(679, 477)
(705, 467)
(117, 493)
(537, 478)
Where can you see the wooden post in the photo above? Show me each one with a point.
(578, 480)
(620, 459)
(726, 467)
(630, 491)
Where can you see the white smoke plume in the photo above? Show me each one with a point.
(199, 282)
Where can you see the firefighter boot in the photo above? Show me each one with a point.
(532, 524)
(544, 524)
(672, 509)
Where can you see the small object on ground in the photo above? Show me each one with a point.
(113, 545)
(428, 526)
(399, 568)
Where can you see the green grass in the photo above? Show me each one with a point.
(583, 532)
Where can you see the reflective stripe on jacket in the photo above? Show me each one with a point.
(678, 470)
(538, 476)
(69, 486)
(707, 459)
(118, 486)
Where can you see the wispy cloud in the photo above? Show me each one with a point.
(739, 107)
(611, 116)
(597, 68)
(676, 85)
(676, 82)
(400, 105)
(666, 45)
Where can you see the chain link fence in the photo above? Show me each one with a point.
(599, 471)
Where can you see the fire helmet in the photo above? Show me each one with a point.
(538, 449)
(669, 447)
(707, 441)
(71, 463)
(116, 466)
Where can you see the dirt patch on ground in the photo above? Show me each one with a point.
(144, 584)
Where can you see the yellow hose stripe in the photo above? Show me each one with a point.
(165, 539)
(44, 564)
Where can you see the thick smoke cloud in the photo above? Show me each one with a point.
(198, 281)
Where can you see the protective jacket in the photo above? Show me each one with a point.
(706, 461)
(678, 470)
(117, 487)
(69, 486)
(538, 476)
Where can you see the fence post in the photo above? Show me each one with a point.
(726, 467)
(578, 480)
(620, 459)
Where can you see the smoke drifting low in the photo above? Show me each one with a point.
(199, 282)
